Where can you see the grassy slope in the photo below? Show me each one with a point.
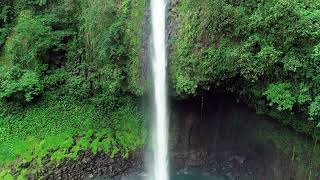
(61, 129)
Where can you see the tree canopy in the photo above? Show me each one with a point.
(266, 51)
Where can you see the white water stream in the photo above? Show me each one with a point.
(159, 67)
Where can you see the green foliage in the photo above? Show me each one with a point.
(30, 4)
(61, 130)
(81, 49)
(75, 61)
(3, 35)
(253, 48)
(184, 65)
(314, 109)
(67, 68)
(126, 131)
(20, 85)
(93, 44)
(41, 2)
(6, 175)
(134, 43)
(281, 95)
(31, 40)
(5, 19)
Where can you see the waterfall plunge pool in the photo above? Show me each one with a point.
(222, 139)
(181, 175)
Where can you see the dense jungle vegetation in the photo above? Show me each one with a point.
(70, 70)
(266, 51)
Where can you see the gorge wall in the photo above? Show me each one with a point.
(223, 137)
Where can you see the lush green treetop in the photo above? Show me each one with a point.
(267, 50)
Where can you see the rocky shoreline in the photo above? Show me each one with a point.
(90, 166)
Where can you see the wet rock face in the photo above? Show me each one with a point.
(219, 136)
(90, 166)
(185, 143)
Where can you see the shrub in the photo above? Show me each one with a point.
(31, 40)
(20, 85)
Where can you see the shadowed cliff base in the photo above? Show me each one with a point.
(223, 137)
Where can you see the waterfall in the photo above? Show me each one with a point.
(159, 67)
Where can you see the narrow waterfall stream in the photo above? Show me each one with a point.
(159, 64)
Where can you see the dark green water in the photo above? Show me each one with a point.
(182, 175)
(192, 175)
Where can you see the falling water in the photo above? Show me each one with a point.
(159, 64)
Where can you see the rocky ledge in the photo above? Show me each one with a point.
(90, 166)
